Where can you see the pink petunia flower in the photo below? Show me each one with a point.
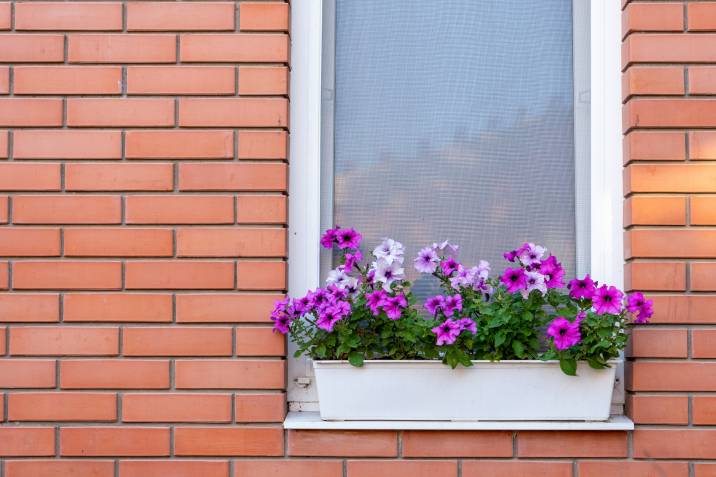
(564, 333)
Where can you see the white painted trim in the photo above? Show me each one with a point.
(312, 420)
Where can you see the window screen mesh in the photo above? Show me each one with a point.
(454, 120)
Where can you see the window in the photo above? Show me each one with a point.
(468, 120)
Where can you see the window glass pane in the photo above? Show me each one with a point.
(454, 120)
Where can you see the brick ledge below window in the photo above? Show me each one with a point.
(312, 420)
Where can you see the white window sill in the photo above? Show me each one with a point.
(312, 420)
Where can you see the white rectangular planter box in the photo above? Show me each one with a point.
(486, 391)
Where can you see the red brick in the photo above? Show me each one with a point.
(173, 468)
(263, 16)
(25, 307)
(30, 177)
(457, 444)
(62, 406)
(122, 307)
(701, 16)
(174, 407)
(5, 15)
(175, 209)
(648, 243)
(27, 373)
(702, 145)
(119, 177)
(29, 242)
(659, 80)
(108, 112)
(703, 276)
(674, 444)
(632, 469)
(659, 343)
(233, 176)
(668, 48)
(231, 48)
(288, 468)
(160, 16)
(66, 144)
(229, 441)
(185, 341)
(703, 343)
(64, 341)
(228, 242)
(343, 443)
(259, 341)
(114, 374)
(171, 80)
(121, 48)
(66, 209)
(224, 308)
(59, 468)
(655, 210)
(118, 242)
(704, 470)
(67, 79)
(180, 144)
(704, 410)
(4, 79)
(114, 441)
(496, 468)
(27, 441)
(680, 309)
(261, 275)
(179, 275)
(658, 409)
(263, 80)
(4, 276)
(673, 376)
(262, 144)
(30, 111)
(22, 48)
(664, 113)
(68, 16)
(233, 112)
(4, 150)
(67, 275)
(571, 444)
(260, 407)
(702, 80)
(658, 276)
(652, 17)
(654, 146)
(261, 209)
(230, 374)
(400, 468)
(4, 209)
(703, 210)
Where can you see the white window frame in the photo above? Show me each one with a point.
(604, 178)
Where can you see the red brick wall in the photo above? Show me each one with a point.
(142, 242)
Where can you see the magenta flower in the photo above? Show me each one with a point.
(394, 306)
(552, 271)
(282, 315)
(466, 324)
(302, 305)
(510, 256)
(329, 237)
(374, 300)
(348, 238)
(318, 298)
(514, 279)
(607, 299)
(640, 307)
(352, 258)
(449, 266)
(564, 333)
(426, 261)
(447, 332)
(434, 304)
(583, 288)
(328, 318)
(452, 304)
(645, 312)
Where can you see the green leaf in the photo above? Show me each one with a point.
(499, 339)
(355, 358)
(596, 363)
(568, 366)
(518, 348)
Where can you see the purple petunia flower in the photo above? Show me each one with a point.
(534, 281)
(510, 256)
(449, 266)
(530, 254)
(514, 279)
(387, 273)
(466, 324)
(607, 299)
(283, 315)
(583, 288)
(394, 306)
(446, 246)
(640, 307)
(451, 304)
(352, 258)
(426, 261)
(374, 300)
(434, 304)
(329, 237)
(389, 251)
(645, 312)
(318, 298)
(564, 333)
(348, 238)
(447, 332)
(552, 271)
(302, 305)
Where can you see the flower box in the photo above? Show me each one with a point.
(524, 390)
